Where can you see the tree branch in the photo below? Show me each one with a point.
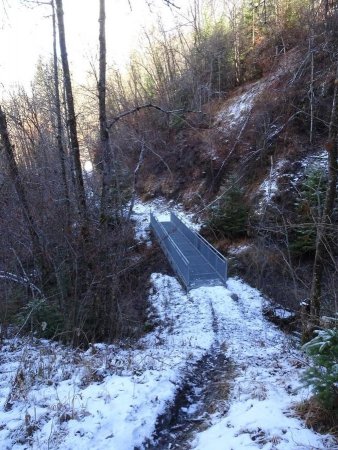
(149, 105)
(169, 3)
(20, 280)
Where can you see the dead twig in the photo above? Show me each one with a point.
(149, 105)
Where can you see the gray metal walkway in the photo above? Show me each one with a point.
(196, 262)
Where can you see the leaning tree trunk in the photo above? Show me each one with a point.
(326, 220)
(14, 174)
(72, 119)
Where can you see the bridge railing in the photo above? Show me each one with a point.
(173, 253)
(214, 257)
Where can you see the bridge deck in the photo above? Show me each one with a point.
(201, 272)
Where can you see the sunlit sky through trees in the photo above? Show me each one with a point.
(26, 33)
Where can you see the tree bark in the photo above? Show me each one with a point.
(81, 196)
(104, 134)
(136, 173)
(59, 127)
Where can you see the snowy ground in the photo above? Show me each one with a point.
(239, 107)
(110, 397)
(161, 208)
(269, 186)
(267, 383)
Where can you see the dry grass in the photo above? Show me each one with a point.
(317, 417)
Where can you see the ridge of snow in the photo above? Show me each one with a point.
(238, 107)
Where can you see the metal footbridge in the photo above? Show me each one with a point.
(195, 261)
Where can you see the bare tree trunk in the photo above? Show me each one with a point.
(331, 193)
(136, 173)
(61, 149)
(72, 119)
(236, 43)
(253, 24)
(16, 179)
(104, 134)
(311, 91)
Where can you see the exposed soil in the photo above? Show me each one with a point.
(205, 393)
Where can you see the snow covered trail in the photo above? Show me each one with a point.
(161, 208)
(107, 397)
(111, 397)
(263, 377)
(267, 382)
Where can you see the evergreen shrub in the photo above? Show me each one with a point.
(229, 216)
(42, 317)
(309, 208)
(322, 376)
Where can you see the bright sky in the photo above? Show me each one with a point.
(26, 34)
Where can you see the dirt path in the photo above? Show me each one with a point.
(244, 390)
(204, 393)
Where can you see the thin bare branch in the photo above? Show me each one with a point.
(8, 276)
(150, 105)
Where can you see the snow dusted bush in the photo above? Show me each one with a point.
(323, 375)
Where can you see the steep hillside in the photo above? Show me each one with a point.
(268, 138)
(230, 113)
